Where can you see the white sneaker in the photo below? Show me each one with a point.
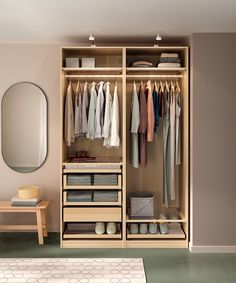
(111, 228)
(100, 228)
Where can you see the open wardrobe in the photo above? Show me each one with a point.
(124, 147)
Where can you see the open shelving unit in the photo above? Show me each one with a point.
(112, 64)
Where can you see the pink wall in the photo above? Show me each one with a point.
(39, 64)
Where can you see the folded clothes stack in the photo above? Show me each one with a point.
(104, 196)
(142, 64)
(24, 202)
(78, 196)
(169, 60)
(106, 179)
(74, 179)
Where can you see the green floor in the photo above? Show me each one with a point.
(161, 265)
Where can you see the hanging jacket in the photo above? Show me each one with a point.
(99, 111)
(69, 128)
(107, 116)
(85, 104)
(78, 112)
(91, 115)
(135, 119)
(115, 139)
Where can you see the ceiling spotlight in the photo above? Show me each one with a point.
(158, 38)
(92, 39)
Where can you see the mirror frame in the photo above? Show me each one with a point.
(43, 92)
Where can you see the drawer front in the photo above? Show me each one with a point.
(92, 214)
(93, 203)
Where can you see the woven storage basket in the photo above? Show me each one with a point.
(141, 205)
(27, 192)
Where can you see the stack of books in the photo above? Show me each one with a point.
(16, 201)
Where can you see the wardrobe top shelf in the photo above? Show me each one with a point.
(95, 69)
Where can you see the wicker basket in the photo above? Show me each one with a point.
(27, 192)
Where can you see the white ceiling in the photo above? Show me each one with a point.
(71, 21)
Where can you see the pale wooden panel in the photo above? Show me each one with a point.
(92, 214)
(157, 244)
(92, 244)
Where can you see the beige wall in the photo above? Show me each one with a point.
(213, 152)
(38, 64)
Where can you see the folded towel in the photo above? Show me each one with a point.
(79, 196)
(169, 65)
(173, 55)
(169, 60)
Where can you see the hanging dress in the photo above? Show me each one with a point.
(155, 108)
(91, 115)
(177, 130)
(143, 126)
(69, 127)
(135, 119)
(166, 150)
(99, 111)
(172, 145)
(150, 112)
(85, 104)
(106, 131)
(115, 139)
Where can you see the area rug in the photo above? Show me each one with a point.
(72, 270)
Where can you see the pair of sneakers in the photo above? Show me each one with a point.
(163, 226)
(101, 228)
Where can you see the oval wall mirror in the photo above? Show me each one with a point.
(24, 127)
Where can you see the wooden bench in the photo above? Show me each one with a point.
(39, 209)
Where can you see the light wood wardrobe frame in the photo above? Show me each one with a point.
(128, 242)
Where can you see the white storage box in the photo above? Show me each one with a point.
(88, 62)
(72, 62)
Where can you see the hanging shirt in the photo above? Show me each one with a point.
(106, 134)
(177, 130)
(91, 115)
(166, 149)
(78, 112)
(99, 111)
(143, 125)
(85, 104)
(155, 109)
(172, 145)
(69, 127)
(135, 119)
(150, 112)
(115, 139)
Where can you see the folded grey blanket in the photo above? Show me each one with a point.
(169, 60)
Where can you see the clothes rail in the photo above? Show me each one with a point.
(153, 76)
(92, 76)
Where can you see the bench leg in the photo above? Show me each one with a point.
(45, 230)
(40, 227)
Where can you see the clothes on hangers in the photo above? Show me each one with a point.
(143, 125)
(172, 144)
(135, 119)
(78, 112)
(115, 139)
(107, 116)
(150, 112)
(155, 108)
(99, 111)
(91, 114)
(69, 127)
(85, 104)
(177, 130)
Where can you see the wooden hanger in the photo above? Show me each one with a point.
(172, 86)
(161, 86)
(167, 86)
(177, 86)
